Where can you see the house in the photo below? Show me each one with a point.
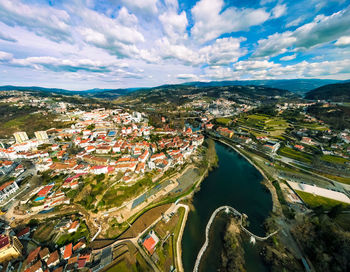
(271, 146)
(103, 149)
(159, 156)
(37, 267)
(24, 233)
(84, 260)
(307, 140)
(150, 242)
(44, 254)
(8, 189)
(140, 168)
(53, 260)
(95, 160)
(67, 251)
(225, 132)
(144, 156)
(299, 147)
(74, 227)
(209, 126)
(99, 169)
(33, 256)
(79, 246)
(126, 166)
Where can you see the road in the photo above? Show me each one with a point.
(135, 241)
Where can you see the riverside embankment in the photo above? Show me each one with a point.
(235, 183)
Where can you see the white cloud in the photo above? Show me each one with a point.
(264, 2)
(321, 30)
(126, 18)
(107, 33)
(223, 51)
(146, 7)
(191, 77)
(7, 38)
(167, 50)
(249, 65)
(172, 4)
(289, 57)
(211, 19)
(58, 64)
(5, 56)
(343, 41)
(279, 10)
(174, 24)
(220, 73)
(295, 22)
(44, 21)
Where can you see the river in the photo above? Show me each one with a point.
(234, 183)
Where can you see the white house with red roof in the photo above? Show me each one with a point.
(8, 189)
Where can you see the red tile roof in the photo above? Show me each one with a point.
(53, 258)
(2, 187)
(149, 244)
(23, 232)
(34, 267)
(67, 251)
(32, 255)
(4, 240)
(44, 191)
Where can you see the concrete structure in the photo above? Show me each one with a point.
(41, 135)
(319, 191)
(20, 137)
(10, 248)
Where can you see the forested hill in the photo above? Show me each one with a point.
(339, 92)
(179, 94)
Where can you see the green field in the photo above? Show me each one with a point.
(137, 264)
(314, 201)
(345, 180)
(294, 154)
(223, 121)
(274, 126)
(334, 159)
(313, 126)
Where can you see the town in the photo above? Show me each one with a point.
(103, 188)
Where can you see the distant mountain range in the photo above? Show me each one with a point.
(339, 92)
(91, 92)
(298, 86)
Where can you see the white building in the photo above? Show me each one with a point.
(8, 189)
(41, 135)
(20, 136)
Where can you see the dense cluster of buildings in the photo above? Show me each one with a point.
(70, 257)
(99, 142)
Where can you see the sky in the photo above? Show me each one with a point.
(85, 44)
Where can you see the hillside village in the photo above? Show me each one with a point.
(108, 165)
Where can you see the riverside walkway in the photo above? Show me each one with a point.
(207, 229)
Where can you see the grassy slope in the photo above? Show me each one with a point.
(315, 201)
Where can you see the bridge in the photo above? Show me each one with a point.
(207, 229)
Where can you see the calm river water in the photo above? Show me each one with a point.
(235, 183)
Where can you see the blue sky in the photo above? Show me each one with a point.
(83, 44)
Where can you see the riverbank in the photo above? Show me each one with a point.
(267, 182)
(234, 183)
(212, 161)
